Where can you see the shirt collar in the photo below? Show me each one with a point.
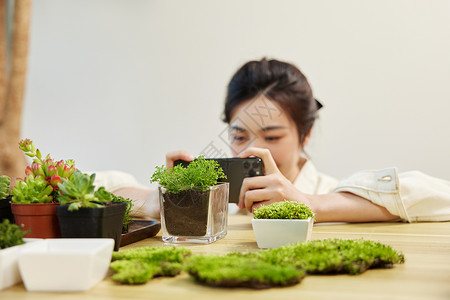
(307, 179)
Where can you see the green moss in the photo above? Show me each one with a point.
(10, 235)
(241, 271)
(139, 265)
(282, 266)
(153, 254)
(283, 210)
(332, 256)
(133, 272)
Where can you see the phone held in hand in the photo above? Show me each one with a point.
(236, 169)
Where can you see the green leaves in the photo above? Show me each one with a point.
(5, 181)
(10, 235)
(79, 193)
(104, 196)
(32, 190)
(200, 174)
(52, 172)
(283, 210)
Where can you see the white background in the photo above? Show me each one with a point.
(116, 84)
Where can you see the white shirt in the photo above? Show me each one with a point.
(413, 196)
(310, 181)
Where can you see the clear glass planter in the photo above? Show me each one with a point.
(194, 216)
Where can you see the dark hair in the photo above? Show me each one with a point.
(278, 81)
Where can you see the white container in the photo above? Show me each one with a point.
(9, 268)
(65, 264)
(274, 233)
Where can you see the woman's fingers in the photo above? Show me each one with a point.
(261, 188)
(270, 167)
(254, 198)
(173, 156)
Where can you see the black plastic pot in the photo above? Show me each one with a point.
(5, 210)
(93, 222)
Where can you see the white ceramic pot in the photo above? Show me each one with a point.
(9, 269)
(65, 264)
(273, 233)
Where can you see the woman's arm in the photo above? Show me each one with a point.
(347, 207)
(146, 202)
(333, 207)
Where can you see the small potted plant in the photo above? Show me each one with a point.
(11, 239)
(194, 208)
(5, 198)
(86, 213)
(34, 197)
(282, 223)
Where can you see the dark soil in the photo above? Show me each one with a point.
(186, 213)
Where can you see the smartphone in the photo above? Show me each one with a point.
(236, 169)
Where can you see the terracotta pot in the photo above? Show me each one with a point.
(40, 218)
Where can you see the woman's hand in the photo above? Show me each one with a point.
(272, 187)
(173, 156)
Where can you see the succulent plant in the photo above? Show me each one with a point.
(52, 171)
(32, 190)
(5, 181)
(40, 184)
(80, 192)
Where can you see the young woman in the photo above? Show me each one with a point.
(271, 110)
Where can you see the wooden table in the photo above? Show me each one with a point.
(425, 274)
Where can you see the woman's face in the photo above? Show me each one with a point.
(262, 123)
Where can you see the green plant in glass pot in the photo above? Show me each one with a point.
(34, 198)
(194, 207)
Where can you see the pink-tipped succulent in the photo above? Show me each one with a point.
(54, 180)
(51, 170)
(37, 169)
(46, 168)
